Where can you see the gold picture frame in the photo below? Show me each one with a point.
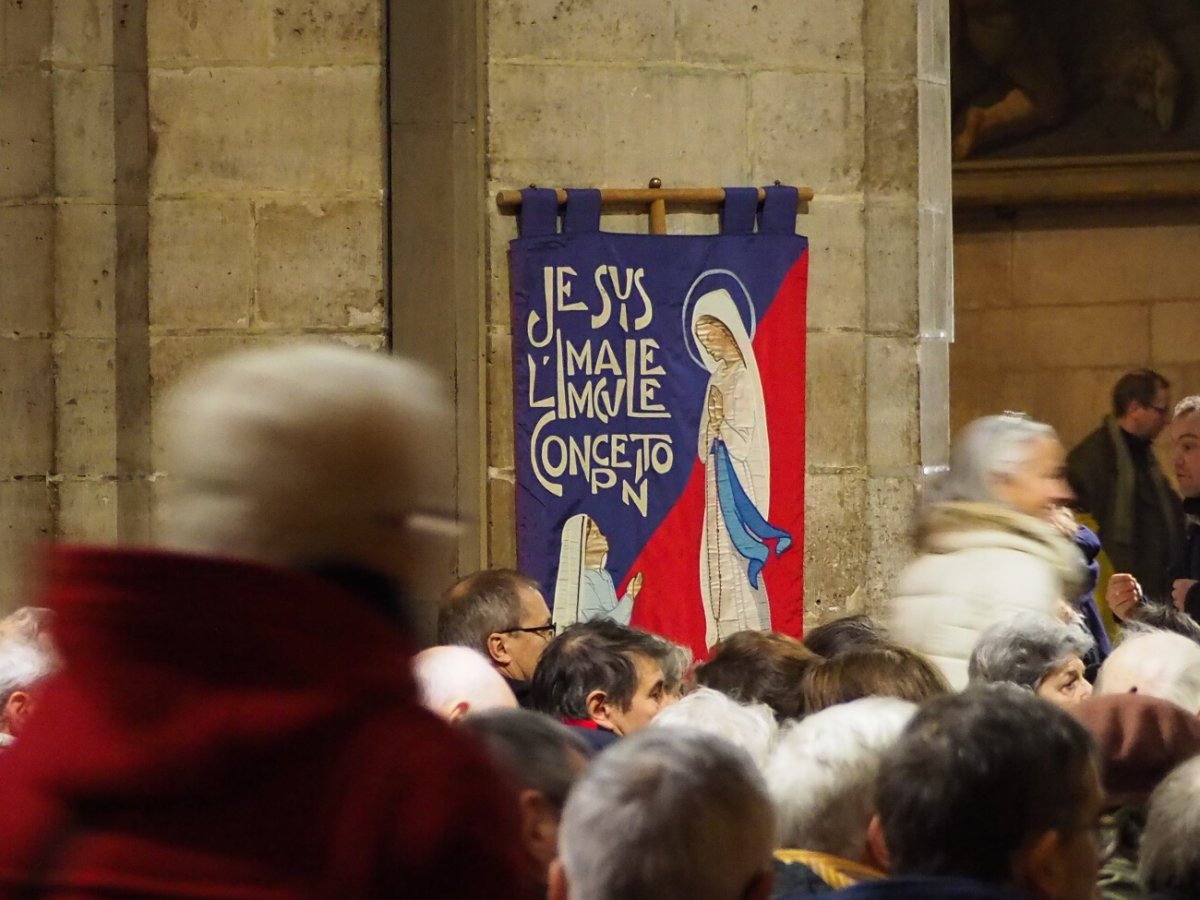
(1072, 180)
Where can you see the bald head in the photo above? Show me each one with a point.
(456, 681)
(1159, 664)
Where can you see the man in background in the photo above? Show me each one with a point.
(1117, 480)
(503, 615)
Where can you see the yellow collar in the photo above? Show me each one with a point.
(833, 870)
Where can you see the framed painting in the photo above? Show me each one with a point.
(1075, 101)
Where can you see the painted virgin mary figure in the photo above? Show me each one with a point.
(734, 448)
(584, 589)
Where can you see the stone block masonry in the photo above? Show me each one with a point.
(177, 179)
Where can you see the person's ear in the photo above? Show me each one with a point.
(16, 712)
(599, 709)
(877, 849)
(760, 887)
(558, 887)
(539, 826)
(497, 645)
(1040, 870)
(460, 709)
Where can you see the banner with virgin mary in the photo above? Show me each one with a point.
(659, 405)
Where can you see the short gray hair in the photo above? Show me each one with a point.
(22, 665)
(987, 447)
(1023, 650)
(1188, 406)
(749, 726)
(480, 605)
(532, 747)
(1169, 858)
(1159, 663)
(822, 773)
(675, 661)
(667, 814)
(303, 456)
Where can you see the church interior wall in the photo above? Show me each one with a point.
(1054, 305)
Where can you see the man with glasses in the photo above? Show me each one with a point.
(991, 794)
(1117, 480)
(503, 615)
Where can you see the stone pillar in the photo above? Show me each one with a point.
(28, 497)
(909, 270)
(846, 96)
(439, 207)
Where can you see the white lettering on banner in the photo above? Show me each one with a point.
(579, 379)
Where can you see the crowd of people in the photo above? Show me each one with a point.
(242, 711)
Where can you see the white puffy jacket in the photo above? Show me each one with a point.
(978, 564)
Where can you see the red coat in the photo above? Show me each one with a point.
(223, 729)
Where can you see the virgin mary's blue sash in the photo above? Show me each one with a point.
(748, 529)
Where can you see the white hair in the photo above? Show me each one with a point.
(303, 455)
(1158, 663)
(749, 726)
(1187, 406)
(822, 774)
(28, 623)
(987, 447)
(1169, 854)
(22, 665)
(667, 814)
(449, 676)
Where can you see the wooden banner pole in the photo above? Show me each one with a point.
(655, 197)
(658, 209)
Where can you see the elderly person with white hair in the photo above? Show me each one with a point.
(991, 542)
(667, 814)
(751, 726)
(1157, 663)
(1169, 859)
(1042, 655)
(821, 778)
(23, 664)
(457, 681)
(236, 715)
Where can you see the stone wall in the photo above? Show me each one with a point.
(182, 177)
(848, 97)
(27, 273)
(1054, 305)
(176, 179)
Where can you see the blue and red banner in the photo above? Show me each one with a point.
(659, 403)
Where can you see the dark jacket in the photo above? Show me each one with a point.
(808, 873)
(794, 881)
(918, 888)
(593, 735)
(223, 729)
(520, 689)
(1116, 479)
(1187, 565)
(1089, 546)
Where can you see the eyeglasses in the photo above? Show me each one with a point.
(548, 631)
